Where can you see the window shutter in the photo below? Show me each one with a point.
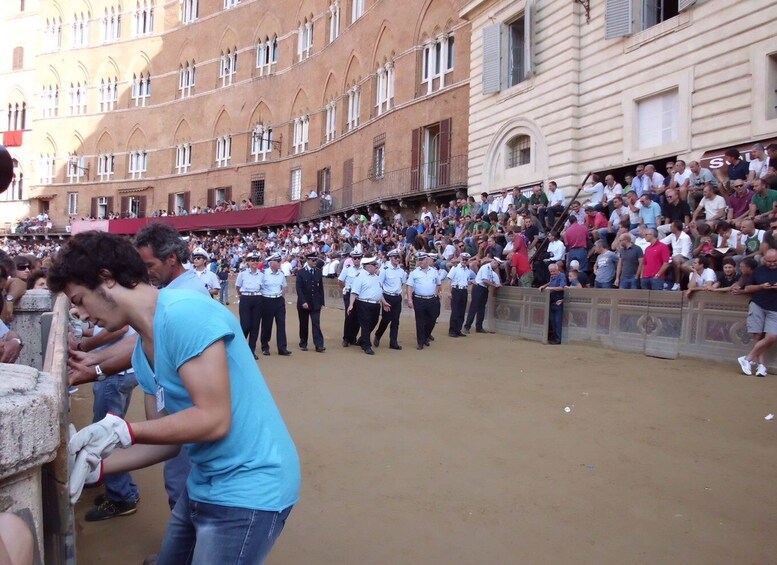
(528, 30)
(124, 204)
(683, 5)
(187, 200)
(142, 206)
(415, 160)
(93, 212)
(109, 205)
(618, 18)
(171, 203)
(347, 183)
(228, 194)
(319, 181)
(492, 58)
(444, 165)
(211, 197)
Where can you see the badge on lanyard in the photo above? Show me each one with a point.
(160, 399)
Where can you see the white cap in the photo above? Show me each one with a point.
(368, 260)
(199, 251)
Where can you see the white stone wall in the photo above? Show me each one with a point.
(579, 105)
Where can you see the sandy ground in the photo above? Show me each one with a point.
(463, 453)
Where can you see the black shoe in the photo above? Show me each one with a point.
(460, 334)
(101, 498)
(395, 346)
(466, 331)
(369, 351)
(227, 303)
(453, 335)
(376, 341)
(481, 331)
(431, 338)
(320, 349)
(285, 353)
(346, 343)
(428, 342)
(554, 342)
(420, 347)
(111, 509)
(303, 347)
(256, 356)
(266, 352)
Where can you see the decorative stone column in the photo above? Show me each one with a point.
(26, 323)
(29, 438)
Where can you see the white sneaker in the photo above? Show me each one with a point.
(761, 370)
(746, 365)
(676, 286)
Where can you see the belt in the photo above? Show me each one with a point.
(250, 293)
(427, 297)
(392, 293)
(577, 248)
(460, 287)
(272, 295)
(368, 301)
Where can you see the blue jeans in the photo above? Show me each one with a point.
(581, 255)
(224, 292)
(652, 284)
(629, 284)
(176, 472)
(113, 395)
(598, 284)
(206, 534)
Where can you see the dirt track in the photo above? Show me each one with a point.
(463, 453)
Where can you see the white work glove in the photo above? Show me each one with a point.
(101, 438)
(87, 469)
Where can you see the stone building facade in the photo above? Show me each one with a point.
(149, 105)
(561, 88)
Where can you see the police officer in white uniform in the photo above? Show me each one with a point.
(200, 259)
(423, 295)
(366, 300)
(249, 291)
(392, 278)
(345, 280)
(488, 276)
(460, 276)
(273, 291)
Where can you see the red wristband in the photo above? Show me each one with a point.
(131, 433)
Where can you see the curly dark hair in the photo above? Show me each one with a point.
(91, 256)
(164, 240)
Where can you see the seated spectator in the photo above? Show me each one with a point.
(682, 250)
(713, 206)
(739, 203)
(681, 179)
(37, 280)
(649, 211)
(538, 206)
(596, 193)
(611, 190)
(673, 210)
(702, 277)
(618, 214)
(738, 169)
(556, 247)
(762, 203)
(700, 177)
(728, 276)
(555, 205)
(751, 240)
(729, 242)
(704, 243)
(595, 222)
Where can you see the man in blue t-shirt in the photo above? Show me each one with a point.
(203, 391)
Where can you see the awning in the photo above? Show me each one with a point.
(255, 218)
(44, 197)
(715, 159)
(136, 190)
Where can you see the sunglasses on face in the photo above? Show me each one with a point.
(23, 267)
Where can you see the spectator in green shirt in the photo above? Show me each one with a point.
(762, 204)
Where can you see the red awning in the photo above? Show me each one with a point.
(255, 218)
(12, 138)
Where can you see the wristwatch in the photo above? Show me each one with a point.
(99, 372)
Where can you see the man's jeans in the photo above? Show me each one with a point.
(579, 254)
(629, 284)
(206, 534)
(113, 395)
(224, 292)
(652, 284)
(607, 284)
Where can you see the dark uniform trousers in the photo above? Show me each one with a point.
(458, 309)
(477, 309)
(251, 318)
(274, 309)
(351, 323)
(315, 317)
(390, 317)
(368, 315)
(427, 310)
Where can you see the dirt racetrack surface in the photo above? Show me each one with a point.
(463, 453)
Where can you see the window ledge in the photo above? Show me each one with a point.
(680, 21)
(520, 88)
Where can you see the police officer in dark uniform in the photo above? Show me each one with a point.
(310, 300)
(366, 300)
(249, 290)
(345, 280)
(392, 278)
(274, 306)
(460, 276)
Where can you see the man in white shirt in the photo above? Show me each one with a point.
(713, 206)
(596, 192)
(759, 164)
(654, 181)
(611, 189)
(555, 204)
(682, 249)
(682, 176)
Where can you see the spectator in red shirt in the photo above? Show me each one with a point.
(594, 221)
(576, 240)
(657, 261)
(521, 272)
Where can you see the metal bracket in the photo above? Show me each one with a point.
(587, 5)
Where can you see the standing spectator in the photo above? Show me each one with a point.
(605, 265)
(762, 314)
(656, 262)
(222, 272)
(556, 285)
(521, 273)
(629, 263)
(576, 240)
(702, 277)
(487, 277)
